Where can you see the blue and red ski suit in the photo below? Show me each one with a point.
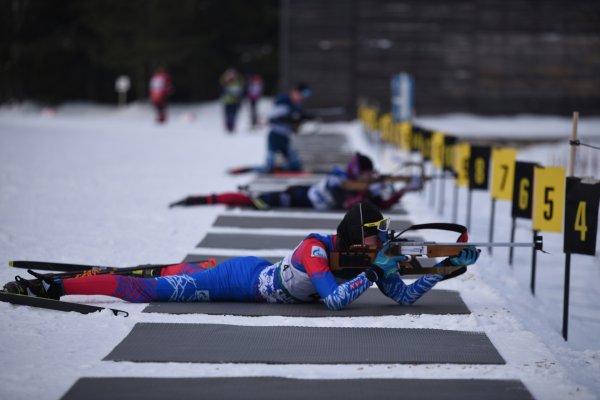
(301, 276)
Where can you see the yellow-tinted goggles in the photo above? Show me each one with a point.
(381, 225)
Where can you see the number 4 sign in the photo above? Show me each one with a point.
(581, 216)
(548, 199)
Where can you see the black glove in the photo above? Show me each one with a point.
(374, 273)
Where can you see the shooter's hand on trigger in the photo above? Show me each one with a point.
(388, 263)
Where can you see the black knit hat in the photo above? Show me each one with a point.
(351, 231)
(364, 162)
(358, 164)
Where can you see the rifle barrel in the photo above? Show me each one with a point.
(463, 244)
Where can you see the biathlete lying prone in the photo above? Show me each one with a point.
(304, 275)
(340, 189)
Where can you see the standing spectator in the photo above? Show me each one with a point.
(254, 91)
(160, 89)
(232, 93)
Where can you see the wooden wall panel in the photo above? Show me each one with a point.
(486, 56)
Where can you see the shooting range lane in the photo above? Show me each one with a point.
(323, 151)
(371, 303)
(218, 343)
(272, 388)
(224, 343)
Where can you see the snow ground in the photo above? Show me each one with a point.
(90, 184)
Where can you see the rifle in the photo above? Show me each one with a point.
(360, 185)
(360, 257)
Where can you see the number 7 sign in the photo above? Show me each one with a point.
(503, 173)
(548, 199)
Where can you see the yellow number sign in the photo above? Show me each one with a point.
(461, 167)
(437, 149)
(385, 126)
(503, 173)
(405, 133)
(548, 199)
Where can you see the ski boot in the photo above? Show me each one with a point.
(46, 288)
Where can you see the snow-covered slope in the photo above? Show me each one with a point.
(91, 184)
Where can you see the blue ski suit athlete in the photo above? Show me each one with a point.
(302, 276)
(284, 121)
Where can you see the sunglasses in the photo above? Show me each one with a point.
(381, 225)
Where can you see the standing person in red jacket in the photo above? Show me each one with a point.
(160, 89)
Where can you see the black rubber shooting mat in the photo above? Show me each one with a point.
(304, 211)
(288, 180)
(251, 241)
(217, 343)
(371, 303)
(309, 223)
(255, 241)
(272, 388)
(322, 151)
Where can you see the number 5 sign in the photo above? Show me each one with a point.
(548, 199)
(581, 216)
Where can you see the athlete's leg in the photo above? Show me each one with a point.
(232, 280)
(293, 158)
(187, 268)
(230, 198)
(275, 199)
(298, 195)
(272, 149)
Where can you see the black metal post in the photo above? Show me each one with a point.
(433, 194)
(442, 192)
(565, 327)
(512, 240)
(455, 205)
(492, 217)
(533, 262)
(469, 198)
